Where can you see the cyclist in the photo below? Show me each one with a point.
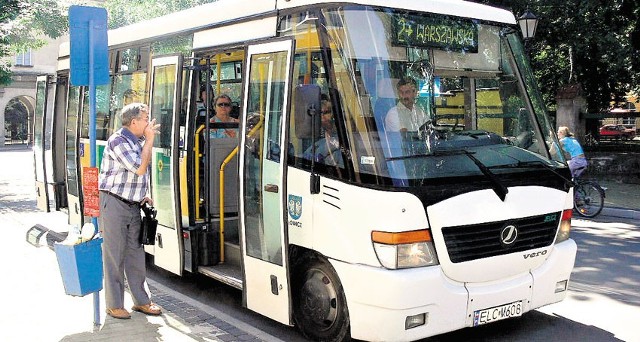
(577, 162)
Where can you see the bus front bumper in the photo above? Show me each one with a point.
(381, 301)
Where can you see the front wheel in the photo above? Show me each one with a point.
(320, 306)
(588, 199)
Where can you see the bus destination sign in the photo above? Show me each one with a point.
(446, 34)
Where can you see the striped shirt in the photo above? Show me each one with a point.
(120, 160)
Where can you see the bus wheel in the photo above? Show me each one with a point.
(320, 307)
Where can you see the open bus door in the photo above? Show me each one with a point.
(39, 143)
(262, 185)
(165, 108)
(72, 143)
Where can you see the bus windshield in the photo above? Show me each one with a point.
(427, 96)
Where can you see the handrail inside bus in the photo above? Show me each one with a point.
(222, 166)
(198, 155)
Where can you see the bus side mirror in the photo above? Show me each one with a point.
(307, 112)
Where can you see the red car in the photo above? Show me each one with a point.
(616, 132)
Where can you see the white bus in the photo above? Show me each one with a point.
(337, 222)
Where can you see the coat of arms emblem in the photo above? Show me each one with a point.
(295, 207)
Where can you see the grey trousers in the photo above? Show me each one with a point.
(122, 254)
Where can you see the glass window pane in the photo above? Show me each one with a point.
(164, 87)
(266, 101)
(72, 140)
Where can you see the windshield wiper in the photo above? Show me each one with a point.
(497, 187)
(530, 163)
(434, 154)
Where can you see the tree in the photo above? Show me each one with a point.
(592, 42)
(125, 12)
(24, 24)
(8, 11)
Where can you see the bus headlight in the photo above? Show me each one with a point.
(565, 226)
(404, 249)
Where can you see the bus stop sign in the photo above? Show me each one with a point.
(89, 51)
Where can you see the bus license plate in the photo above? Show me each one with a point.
(497, 313)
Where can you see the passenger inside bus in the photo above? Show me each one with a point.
(327, 147)
(223, 108)
(201, 107)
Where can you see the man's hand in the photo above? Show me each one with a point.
(147, 200)
(151, 130)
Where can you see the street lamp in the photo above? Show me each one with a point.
(528, 23)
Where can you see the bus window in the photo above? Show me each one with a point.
(71, 140)
(103, 116)
(309, 68)
(127, 88)
(266, 98)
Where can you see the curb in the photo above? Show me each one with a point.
(626, 213)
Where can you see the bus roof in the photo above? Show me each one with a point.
(224, 11)
(458, 8)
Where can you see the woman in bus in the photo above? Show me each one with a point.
(223, 114)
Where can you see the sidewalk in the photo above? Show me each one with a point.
(36, 306)
(621, 200)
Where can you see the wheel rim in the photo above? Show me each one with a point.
(319, 300)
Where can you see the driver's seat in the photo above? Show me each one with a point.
(386, 100)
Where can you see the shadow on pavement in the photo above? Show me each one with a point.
(531, 326)
(608, 260)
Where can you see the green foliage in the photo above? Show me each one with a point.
(24, 24)
(8, 11)
(592, 42)
(125, 12)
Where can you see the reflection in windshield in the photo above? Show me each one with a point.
(410, 99)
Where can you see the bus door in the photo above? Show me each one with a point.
(58, 155)
(40, 142)
(262, 185)
(72, 143)
(165, 108)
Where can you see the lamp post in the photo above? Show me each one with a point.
(528, 23)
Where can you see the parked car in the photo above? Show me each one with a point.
(613, 131)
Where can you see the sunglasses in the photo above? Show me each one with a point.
(224, 104)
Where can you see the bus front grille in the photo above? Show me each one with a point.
(477, 241)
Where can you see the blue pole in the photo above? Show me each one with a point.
(92, 146)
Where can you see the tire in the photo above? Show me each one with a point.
(588, 199)
(319, 304)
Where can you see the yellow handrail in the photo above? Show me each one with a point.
(226, 161)
(222, 166)
(196, 149)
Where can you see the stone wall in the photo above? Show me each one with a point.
(622, 167)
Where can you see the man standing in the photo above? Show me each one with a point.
(123, 186)
(405, 116)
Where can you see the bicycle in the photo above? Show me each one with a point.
(588, 197)
(590, 140)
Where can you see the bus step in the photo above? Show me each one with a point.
(224, 273)
(232, 254)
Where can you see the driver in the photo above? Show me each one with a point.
(405, 116)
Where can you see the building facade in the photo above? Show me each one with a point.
(17, 100)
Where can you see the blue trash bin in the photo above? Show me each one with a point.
(81, 267)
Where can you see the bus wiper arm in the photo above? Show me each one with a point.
(434, 154)
(497, 186)
(530, 163)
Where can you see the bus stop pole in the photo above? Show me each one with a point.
(92, 146)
